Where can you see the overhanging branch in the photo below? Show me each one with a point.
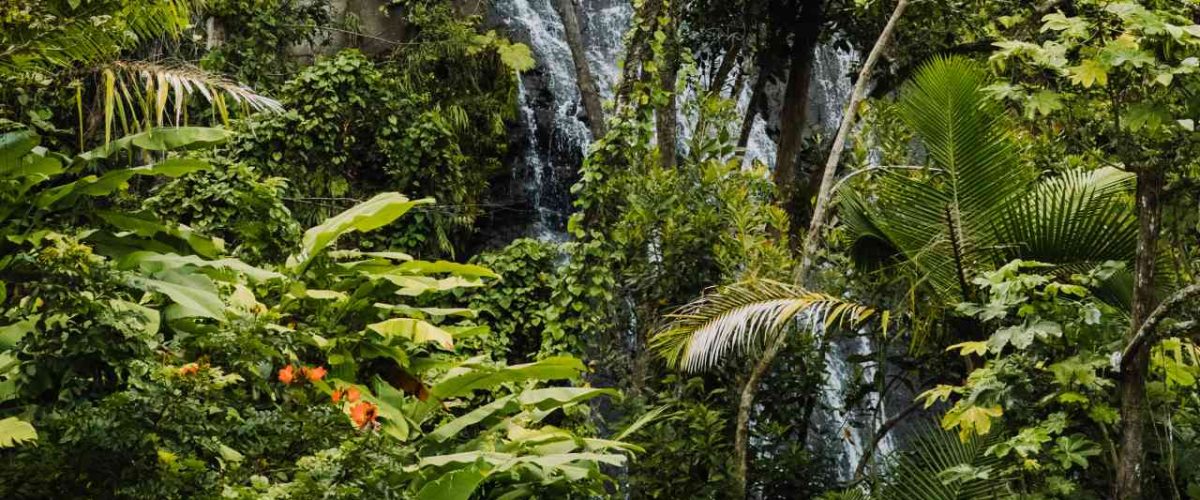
(1147, 329)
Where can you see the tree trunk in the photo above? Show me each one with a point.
(588, 92)
(756, 97)
(794, 115)
(728, 62)
(1128, 483)
(216, 34)
(812, 241)
(645, 22)
(666, 119)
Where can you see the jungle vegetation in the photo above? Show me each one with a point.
(270, 249)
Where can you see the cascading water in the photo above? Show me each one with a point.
(852, 428)
(556, 139)
(555, 135)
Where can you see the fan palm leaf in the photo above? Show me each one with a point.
(939, 466)
(980, 206)
(740, 318)
(939, 218)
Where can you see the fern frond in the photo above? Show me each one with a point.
(740, 318)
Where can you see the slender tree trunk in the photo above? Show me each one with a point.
(812, 241)
(589, 93)
(216, 33)
(756, 97)
(666, 117)
(794, 114)
(728, 62)
(1128, 484)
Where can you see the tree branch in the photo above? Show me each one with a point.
(869, 452)
(1156, 316)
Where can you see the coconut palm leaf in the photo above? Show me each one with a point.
(740, 318)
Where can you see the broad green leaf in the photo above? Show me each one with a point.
(465, 270)
(153, 262)
(414, 330)
(506, 404)
(367, 216)
(14, 145)
(553, 397)
(144, 225)
(1042, 102)
(158, 139)
(195, 293)
(463, 380)
(1089, 72)
(10, 335)
(14, 431)
(137, 316)
(458, 484)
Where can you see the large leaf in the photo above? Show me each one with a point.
(457, 484)
(553, 397)
(195, 293)
(14, 145)
(939, 466)
(116, 180)
(367, 216)
(414, 330)
(501, 406)
(158, 139)
(14, 431)
(463, 380)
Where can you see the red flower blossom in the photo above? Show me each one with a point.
(189, 369)
(363, 413)
(315, 374)
(287, 374)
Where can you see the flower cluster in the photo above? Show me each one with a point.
(363, 413)
(287, 374)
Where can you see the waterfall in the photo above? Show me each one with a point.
(851, 428)
(555, 140)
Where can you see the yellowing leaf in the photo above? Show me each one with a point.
(1089, 72)
(971, 419)
(968, 348)
(415, 330)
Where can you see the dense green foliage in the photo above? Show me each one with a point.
(287, 249)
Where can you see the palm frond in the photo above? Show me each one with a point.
(741, 318)
(88, 34)
(1076, 216)
(939, 466)
(148, 94)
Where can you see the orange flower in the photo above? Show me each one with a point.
(287, 374)
(189, 369)
(351, 395)
(363, 413)
(315, 374)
